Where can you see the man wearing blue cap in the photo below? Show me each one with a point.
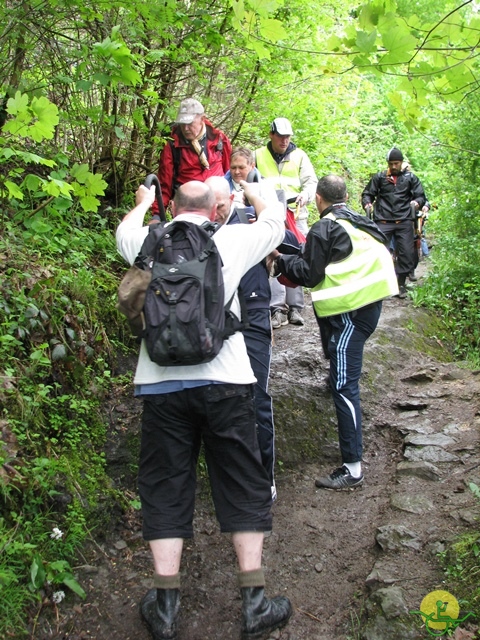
(387, 199)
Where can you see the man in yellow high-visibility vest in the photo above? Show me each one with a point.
(287, 167)
(349, 269)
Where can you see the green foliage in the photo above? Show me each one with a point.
(435, 54)
(461, 563)
(53, 573)
(452, 289)
(57, 295)
(36, 120)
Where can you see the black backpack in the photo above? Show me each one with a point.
(185, 316)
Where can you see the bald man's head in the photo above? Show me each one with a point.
(194, 197)
(223, 197)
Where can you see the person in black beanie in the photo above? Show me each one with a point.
(387, 199)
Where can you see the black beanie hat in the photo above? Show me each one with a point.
(394, 154)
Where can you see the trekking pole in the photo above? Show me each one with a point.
(413, 212)
(153, 179)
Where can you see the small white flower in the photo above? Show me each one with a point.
(56, 533)
(58, 596)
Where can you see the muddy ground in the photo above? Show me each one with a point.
(332, 553)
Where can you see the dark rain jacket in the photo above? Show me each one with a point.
(391, 195)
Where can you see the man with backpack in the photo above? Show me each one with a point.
(211, 401)
(196, 151)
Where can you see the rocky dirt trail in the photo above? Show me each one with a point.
(353, 563)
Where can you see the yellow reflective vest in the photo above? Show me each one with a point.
(286, 176)
(365, 276)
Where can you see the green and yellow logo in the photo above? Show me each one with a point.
(439, 611)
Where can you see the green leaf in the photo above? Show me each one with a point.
(59, 565)
(72, 584)
(129, 76)
(17, 104)
(7, 576)
(89, 203)
(155, 55)
(334, 43)
(272, 30)
(31, 311)
(7, 153)
(57, 187)
(102, 78)
(32, 182)
(13, 190)
(370, 14)
(37, 121)
(28, 157)
(41, 226)
(80, 172)
(397, 38)
(47, 119)
(238, 9)
(84, 85)
(37, 572)
(95, 184)
(51, 188)
(265, 7)
(366, 41)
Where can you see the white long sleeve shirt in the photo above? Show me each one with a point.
(240, 248)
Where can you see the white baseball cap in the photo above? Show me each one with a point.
(281, 126)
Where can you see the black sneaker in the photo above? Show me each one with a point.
(412, 277)
(341, 478)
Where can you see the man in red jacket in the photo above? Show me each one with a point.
(196, 151)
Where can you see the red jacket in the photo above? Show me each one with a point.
(218, 154)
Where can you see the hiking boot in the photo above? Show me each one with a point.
(261, 615)
(294, 317)
(159, 610)
(341, 478)
(279, 319)
(412, 277)
(402, 291)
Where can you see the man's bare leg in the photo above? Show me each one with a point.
(248, 547)
(167, 553)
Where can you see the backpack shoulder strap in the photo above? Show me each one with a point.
(176, 152)
(157, 234)
(242, 216)
(232, 323)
